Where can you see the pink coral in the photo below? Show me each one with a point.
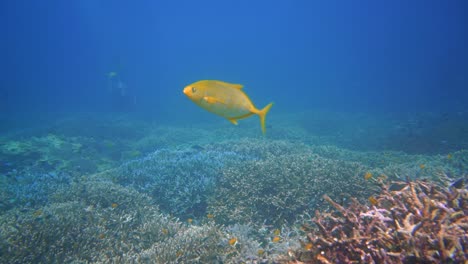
(412, 222)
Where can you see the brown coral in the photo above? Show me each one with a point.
(413, 222)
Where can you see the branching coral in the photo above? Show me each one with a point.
(414, 222)
(178, 180)
(277, 189)
(103, 219)
(102, 222)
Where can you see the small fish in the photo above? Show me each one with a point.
(449, 156)
(226, 100)
(277, 232)
(232, 241)
(422, 166)
(260, 252)
(190, 220)
(373, 201)
(275, 239)
(165, 231)
(367, 176)
(210, 216)
(38, 213)
(308, 246)
(114, 205)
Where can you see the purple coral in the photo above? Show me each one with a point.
(417, 222)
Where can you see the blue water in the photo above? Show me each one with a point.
(339, 55)
(104, 159)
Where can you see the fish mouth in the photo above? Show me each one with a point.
(186, 91)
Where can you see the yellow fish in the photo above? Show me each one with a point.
(367, 176)
(233, 241)
(225, 99)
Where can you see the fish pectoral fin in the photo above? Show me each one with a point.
(232, 120)
(212, 100)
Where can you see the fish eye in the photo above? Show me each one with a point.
(194, 90)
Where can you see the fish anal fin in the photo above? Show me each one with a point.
(232, 120)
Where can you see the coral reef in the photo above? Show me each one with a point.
(398, 165)
(93, 221)
(97, 221)
(30, 189)
(180, 181)
(52, 153)
(416, 133)
(408, 222)
(88, 222)
(118, 190)
(285, 181)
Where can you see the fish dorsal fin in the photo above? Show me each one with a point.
(232, 85)
(237, 86)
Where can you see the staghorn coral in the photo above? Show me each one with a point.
(102, 222)
(99, 221)
(114, 215)
(192, 244)
(261, 149)
(278, 188)
(30, 189)
(88, 229)
(178, 180)
(411, 222)
(51, 152)
(398, 165)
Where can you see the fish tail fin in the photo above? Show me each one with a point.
(262, 114)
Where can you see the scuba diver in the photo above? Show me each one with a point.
(120, 98)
